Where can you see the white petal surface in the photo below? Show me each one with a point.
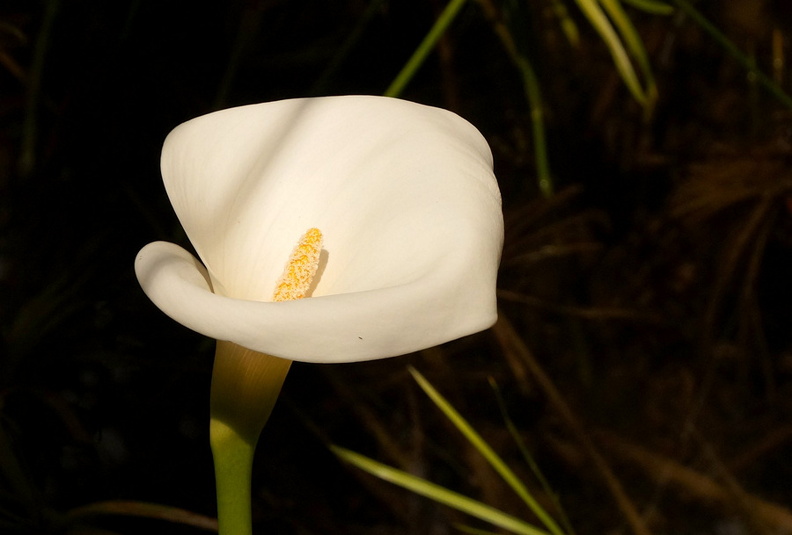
(403, 193)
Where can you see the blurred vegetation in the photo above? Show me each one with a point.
(644, 350)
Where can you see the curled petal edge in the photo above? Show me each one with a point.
(345, 327)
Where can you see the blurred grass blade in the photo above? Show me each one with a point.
(487, 452)
(473, 531)
(535, 102)
(634, 44)
(533, 93)
(628, 32)
(26, 162)
(12, 472)
(419, 56)
(319, 87)
(529, 460)
(566, 22)
(437, 493)
(144, 510)
(651, 6)
(742, 58)
(621, 59)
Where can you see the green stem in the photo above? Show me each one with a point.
(233, 463)
(245, 386)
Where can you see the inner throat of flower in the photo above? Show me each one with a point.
(301, 268)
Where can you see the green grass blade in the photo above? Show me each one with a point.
(566, 22)
(742, 58)
(12, 471)
(621, 59)
(473, 531)
(429, 41)
(634, 44)
(437, 493)
(319, 87)
(534, 94)
(651, 6)
(529, 460)
(154, 511)
(487, 452)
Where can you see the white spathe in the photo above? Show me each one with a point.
(403, 193)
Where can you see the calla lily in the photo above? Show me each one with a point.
(410, 215)
(403, 193)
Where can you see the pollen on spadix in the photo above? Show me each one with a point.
(301, 268)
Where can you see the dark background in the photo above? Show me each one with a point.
(653, 288)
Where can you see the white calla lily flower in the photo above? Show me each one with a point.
(404, 195)
(397, 219)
